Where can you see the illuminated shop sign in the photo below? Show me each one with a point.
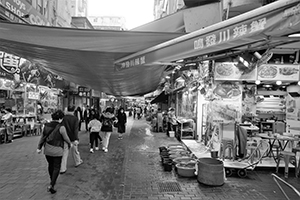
(22, 8)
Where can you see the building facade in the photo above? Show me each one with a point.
(108, 22)
(79, 8)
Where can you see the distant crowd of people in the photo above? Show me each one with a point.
(60, 136)
(138, 111)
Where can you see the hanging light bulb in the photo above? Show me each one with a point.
(245, 62)
(257, 55)
(257, 82)
(278, 82)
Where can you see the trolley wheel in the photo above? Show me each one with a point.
(228, 172)
(242, 173)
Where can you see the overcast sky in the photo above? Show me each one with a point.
(136, 12)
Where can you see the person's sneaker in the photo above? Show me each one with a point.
(51, 190)
(105, 150)
(120, 137)
(97, 148)
(91, 150)
(79, 163)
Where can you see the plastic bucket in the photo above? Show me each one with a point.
(171, 133)
(214, 154)
(210, 171)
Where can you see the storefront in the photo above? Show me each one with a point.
(28, 91)
(256, 31)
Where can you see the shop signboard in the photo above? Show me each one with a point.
(226, 104)
(249, 100)
(22, 8)
(293, 109)
(6, 84)
(234, 71)
(84, 91)
(48, 99)
(210, 40)
(18, 69)
(278, 72)
(96, 93)
(34, 95)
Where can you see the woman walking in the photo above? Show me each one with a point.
(122, 120)
(107, 119)
(52, 139)
(94, 127)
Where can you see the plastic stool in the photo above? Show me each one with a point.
(296, 150)
(288, 157)
(228, 144)
(253, 145)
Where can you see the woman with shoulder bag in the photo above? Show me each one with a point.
(122, 120)
(53, 138)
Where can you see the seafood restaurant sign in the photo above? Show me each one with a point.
(22, 8)
(228, 37)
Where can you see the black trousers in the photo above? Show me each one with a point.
(53, 168)
(79, 125)
(94, 139)
(86, 124)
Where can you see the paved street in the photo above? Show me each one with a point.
(130, 170)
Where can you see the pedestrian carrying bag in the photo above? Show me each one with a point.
(116, 124)
(51, 136)
(107, 122)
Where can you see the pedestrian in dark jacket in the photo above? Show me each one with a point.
(107, 119)
(54, 146)
(122, 120)
(71, 124)
(78, 114)
(87, 116)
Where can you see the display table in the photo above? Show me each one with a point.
(186, 128)
(281, 139)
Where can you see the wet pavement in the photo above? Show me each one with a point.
(130, 170)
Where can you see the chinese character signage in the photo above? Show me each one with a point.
(18, 69)
(33, 95)
(133, 62)
(84, 91)
(231, 33)
(234, 71)
(220, 37)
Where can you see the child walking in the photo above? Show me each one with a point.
(94, 127)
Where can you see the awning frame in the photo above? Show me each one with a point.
(270, 8)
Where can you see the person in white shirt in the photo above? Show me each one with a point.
(94, 127)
